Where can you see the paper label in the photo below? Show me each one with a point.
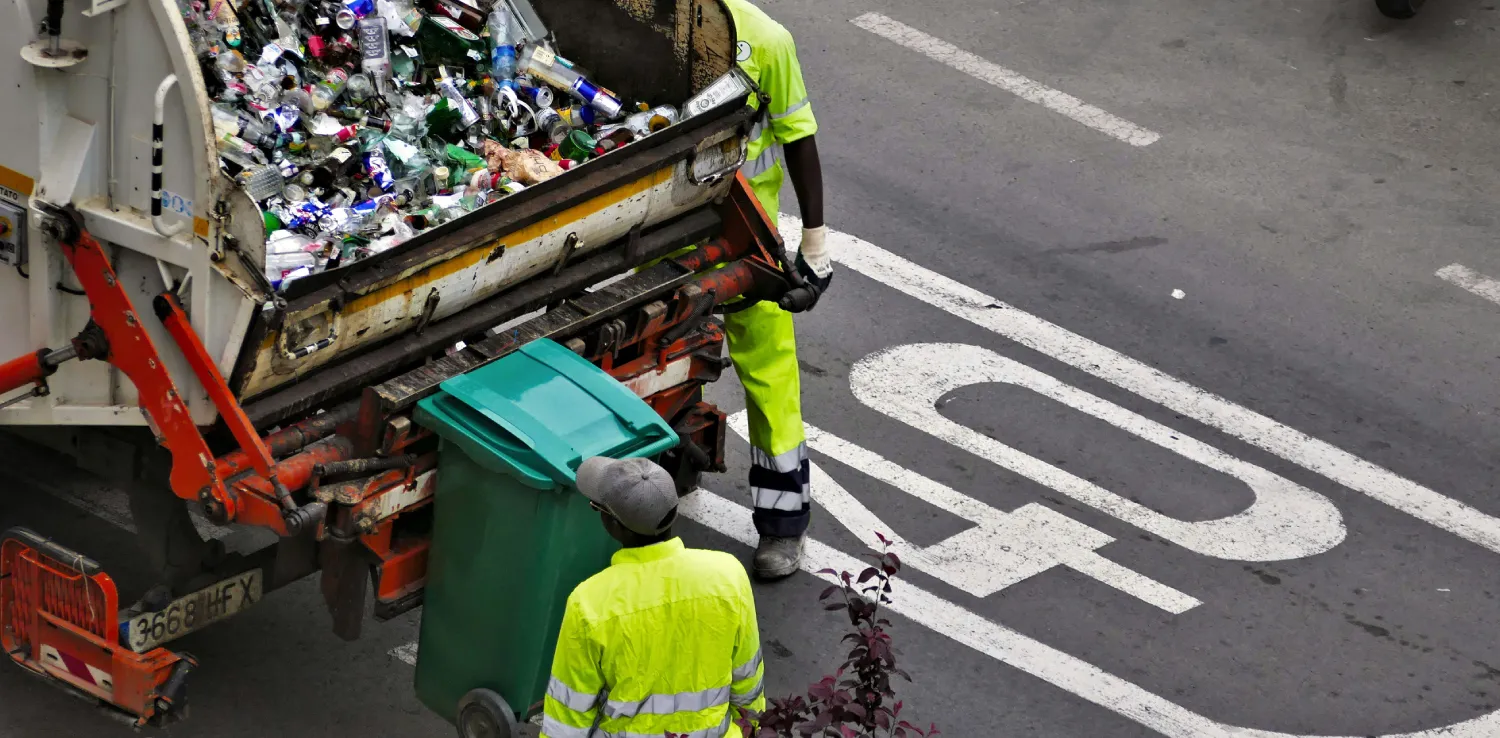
(543, 57)
(270, 54)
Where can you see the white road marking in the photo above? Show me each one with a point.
(1023, 652)
(1002, 549)
(1286, 521)
(1013, 82)
(1192, 402)
(406, 653)
(1471, 280)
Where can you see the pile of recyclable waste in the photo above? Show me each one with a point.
(357, 124)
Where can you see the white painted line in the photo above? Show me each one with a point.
(406, 654)
(1023, 652)
(1205, 407)
(1001, 550)
(1472, 281)
(1285, 521)
(1013, 82)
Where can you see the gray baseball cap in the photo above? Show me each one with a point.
(637, 492)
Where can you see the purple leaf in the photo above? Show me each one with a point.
(828, 592)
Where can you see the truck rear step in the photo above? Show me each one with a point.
(59, 618)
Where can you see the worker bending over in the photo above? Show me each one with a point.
(665, 639)
(762, 344)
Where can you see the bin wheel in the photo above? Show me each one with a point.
(1401, 9)
(484, 714)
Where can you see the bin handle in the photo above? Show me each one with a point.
(637, 416)
(529, 431)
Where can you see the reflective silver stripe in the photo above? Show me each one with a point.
(791, 110)
(551, 728)
(571, 698)
(705, 733)
(748, 670)
(666, 704)
(742, 700)
(757, 130)
(763, 163)
(786, 463)
(775, 499)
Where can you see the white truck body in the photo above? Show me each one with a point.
(79, 132)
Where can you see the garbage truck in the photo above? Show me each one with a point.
(151, 344)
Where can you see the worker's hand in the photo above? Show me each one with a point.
(816, 267)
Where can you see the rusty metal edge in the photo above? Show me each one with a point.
(401, 354)
(479, 227)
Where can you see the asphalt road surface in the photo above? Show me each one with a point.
(1161, 340)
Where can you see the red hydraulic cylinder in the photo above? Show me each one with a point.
(24, 370)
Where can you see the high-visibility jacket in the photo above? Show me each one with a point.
(665, 639)
(762, 343)
(765, 51)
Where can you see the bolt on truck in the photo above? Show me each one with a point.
(149, 345)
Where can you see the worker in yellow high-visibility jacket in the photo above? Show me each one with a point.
(762, 344)
(665, 639)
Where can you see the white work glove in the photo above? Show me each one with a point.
(816, 266)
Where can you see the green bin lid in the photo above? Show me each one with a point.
(538, 413)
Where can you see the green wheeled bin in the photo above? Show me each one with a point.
(512, 537)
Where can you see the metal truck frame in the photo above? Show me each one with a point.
(348, 490)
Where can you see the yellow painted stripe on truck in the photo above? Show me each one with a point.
(537, 229)
(473, 256)
(14, 180)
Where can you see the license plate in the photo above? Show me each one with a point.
(206, 606)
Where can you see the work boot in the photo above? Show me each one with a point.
(777, 557)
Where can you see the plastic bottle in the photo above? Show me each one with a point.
(227, 22)
(456, 100)
(327, 91)
(240, 152)
(252, 131)
(359, 88)
(230, 61)
(502, 47)
(282, 264)
(540, 62)
(300, 98)
(262, 183)
(375, 50)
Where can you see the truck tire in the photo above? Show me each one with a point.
(1399, 9)
(484, 714)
